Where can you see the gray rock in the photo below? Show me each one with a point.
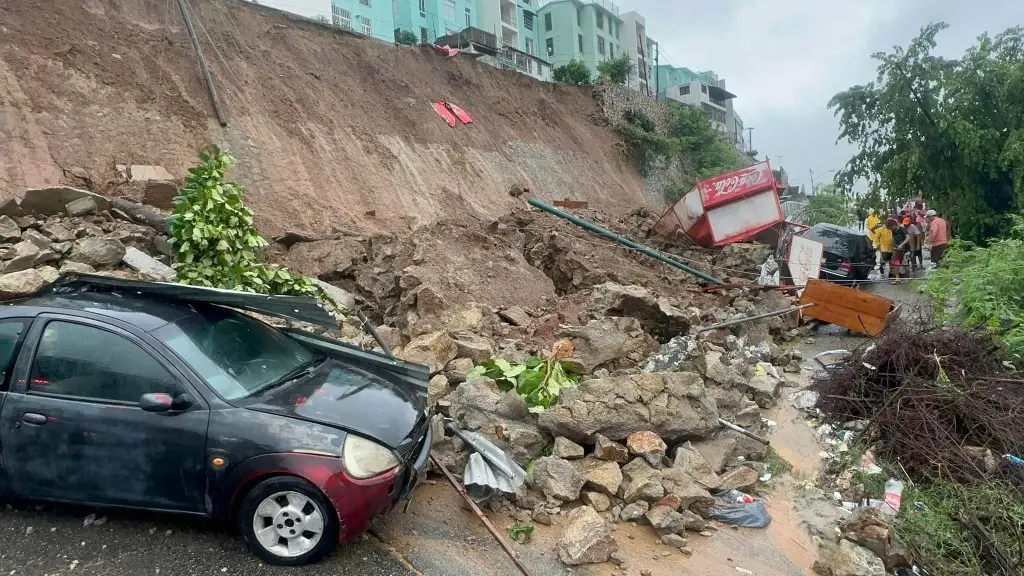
(693, 521)
(747, 414)
(151, 267)
(558, 479)
(673, 405)
(49, 201)
(742, 478)
(609, 342)
(38, 238)
(722, 373)
(692, 496)
(586, 539)
(602, 476)
(634, 511)
(853, 560)
(70, 266)
(473, 347)
(606, 449)
(98, 251)
(680, 354)
(690, 459)
(567, 449)
(80, 207)
(515, 316)
(674, 540)
(656, 315)
(21, 283)
(597, 501)
(665, 520)
(457, 369)
(9, 229)
(764, 387)
(641, 482)
(716, 451)
(21, 257)
(435, 350)
(647, 445)
(479, 405)
(57, 232)
(541, 516)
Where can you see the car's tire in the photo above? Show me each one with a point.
(286, 521)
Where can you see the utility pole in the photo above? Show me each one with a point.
(750, 139)
(812, 182)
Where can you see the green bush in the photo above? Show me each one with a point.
(617, 70)
(575, 72)
(406, 37)
(215, 243)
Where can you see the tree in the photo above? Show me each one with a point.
(618, 70)
(406, 37)
(948, 130)
(575, 72)
(829, 205)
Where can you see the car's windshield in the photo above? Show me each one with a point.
(237, 355)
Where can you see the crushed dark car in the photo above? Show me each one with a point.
(165, 397)
(848, 256)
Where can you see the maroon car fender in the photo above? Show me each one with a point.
(356, 502)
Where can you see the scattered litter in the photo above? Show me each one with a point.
(447, 50)
(738, 509)
(451, 113)
(893, 496)
(767, 477)
(743, 570)
(867, 464)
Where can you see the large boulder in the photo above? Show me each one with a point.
(435, 350)
(673, 405)
(641, 482)
(853, 560)
(9, 229)
(657, 316)
(325, 259)
(602, 476)
(98, 251)
(21, 283)
(648, 446)
(21, 257)
(693, 462)
(558, 479)
(610, 343)
(680, 354)
(742, 478)
(586, 539)
(502, 417)
(692, 496)
(49, 201)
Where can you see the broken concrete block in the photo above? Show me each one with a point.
(80, 207)
(141, 262)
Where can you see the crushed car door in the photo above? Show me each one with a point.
(75, 429)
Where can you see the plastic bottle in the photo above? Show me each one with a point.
(893, 496)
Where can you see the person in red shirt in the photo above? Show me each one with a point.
(938, 232)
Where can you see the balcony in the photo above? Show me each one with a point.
(509, 20)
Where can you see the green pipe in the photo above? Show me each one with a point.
(624, 241)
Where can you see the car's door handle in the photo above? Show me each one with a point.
(33, 418)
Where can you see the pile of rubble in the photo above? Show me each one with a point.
(52, 231)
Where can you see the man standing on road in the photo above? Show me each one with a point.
(870, 223)
(883, 236)
(915, 240)
(938, 232)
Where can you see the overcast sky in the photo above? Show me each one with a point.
(784, 59)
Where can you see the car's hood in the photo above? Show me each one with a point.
(339, 394)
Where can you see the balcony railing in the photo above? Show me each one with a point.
(509, 19)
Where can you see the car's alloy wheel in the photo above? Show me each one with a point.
(287, 521)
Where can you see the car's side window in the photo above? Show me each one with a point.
(91, 363)
(10, 337)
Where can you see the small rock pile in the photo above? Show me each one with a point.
(52, 231)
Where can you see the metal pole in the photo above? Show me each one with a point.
(812, 181)
(749, 318)
(624, 241)
(750, 139)
(221, 117)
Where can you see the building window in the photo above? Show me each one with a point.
(611, 51)
(449, 10)
(367, 25)
(469, 18)
(579, 16)
(704, 88)
(342, 18)
(549, 45)
(364, 2)
(579, 41)
(423, 13)
(423, 36)
(684, 90)
(600, 45)
(547, 22)
(529, 46)
(600, 21)
(528, 20)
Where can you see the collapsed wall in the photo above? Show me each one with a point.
(330, 129)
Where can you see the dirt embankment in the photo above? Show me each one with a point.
(329, 128)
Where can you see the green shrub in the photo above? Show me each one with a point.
(575, 72)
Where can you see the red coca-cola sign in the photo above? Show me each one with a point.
(735, 185)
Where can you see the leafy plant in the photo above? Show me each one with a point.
(521, 532)
(574, 72)
(617, 70)
(537, 380)
(828, 205)
(984, 286)
(406, 37)
(949, 130)
(215, 243)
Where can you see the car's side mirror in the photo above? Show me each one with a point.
(156, 402)
(182, 401)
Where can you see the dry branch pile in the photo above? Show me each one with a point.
(940, 402)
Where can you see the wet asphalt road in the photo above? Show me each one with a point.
(40, 540)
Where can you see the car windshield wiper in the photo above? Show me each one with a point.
(300, 371)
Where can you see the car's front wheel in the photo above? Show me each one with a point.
(286, 521)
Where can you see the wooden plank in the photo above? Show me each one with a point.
(847, 307)
(571, 204)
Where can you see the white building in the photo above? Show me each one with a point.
(637, 45)
(709, 94)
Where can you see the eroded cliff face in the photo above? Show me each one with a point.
(329, 129)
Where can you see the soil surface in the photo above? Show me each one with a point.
(330, 128)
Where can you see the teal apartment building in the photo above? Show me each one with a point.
(587, 30)
(371, 17)
(431, 19)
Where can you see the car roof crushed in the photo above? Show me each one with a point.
(286, 307)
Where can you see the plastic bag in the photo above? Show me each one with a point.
(749, 515)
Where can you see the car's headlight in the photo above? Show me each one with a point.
(365, 459)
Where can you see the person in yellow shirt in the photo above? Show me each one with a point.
(884, 239)
(870, 223)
